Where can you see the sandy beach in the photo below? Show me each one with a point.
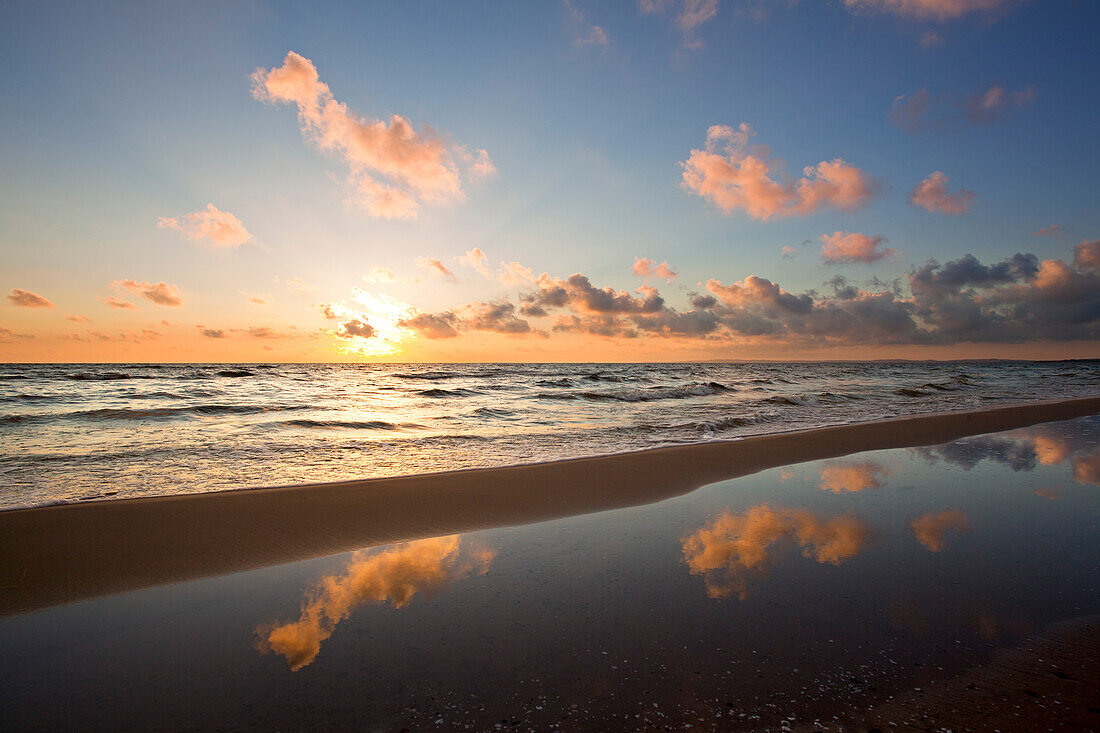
(60, 554)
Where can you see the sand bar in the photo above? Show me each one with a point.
(60, 554)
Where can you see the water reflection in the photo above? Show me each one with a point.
(851, 476)
(1021, 450)
(393, 575)
(734, 547)
(929, 529)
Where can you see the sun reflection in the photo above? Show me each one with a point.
(393, 575)
(734, 546)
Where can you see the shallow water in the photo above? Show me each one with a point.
(87, 432)
(798, 593)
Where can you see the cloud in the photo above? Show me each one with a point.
(7, 335)
(434, 266)
(587, 34)
(475, 259)
(27, 299)
(849, 247)
(930, 39)
(732, 176)
(927, 9)
(219, 228)
(298, 286)
(929, 529)
(433, 325)
(788, 253)
(931, 194)
(371, 325)
(78, 319)
(646, 267)
(160, 293)
(1086, 255)
(993, 102)
(1054, 230)
(498, 317)
(118, 302)
(732, 548)
(690, 14)
(212, 333)
(852, 477)
(356, 327)
(395, 575)
(379, 274)
(393, 169)
(923, 111)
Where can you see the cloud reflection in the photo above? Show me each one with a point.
(853, 476)
(734, 546)
(395, 575)
(930, 529)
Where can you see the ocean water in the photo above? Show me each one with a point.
(82, 432)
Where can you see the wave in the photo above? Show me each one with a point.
(350, 424)
(563, 382)
(647, 394)
(126, 413)
(104, 376)
(910, 392)
(235, 373)
(724, 423)
(442, 393)
(493, 412)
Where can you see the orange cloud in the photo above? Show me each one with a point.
(852, 477)
(930, 528)
(380, 275)
(927, 9)
(160, 293)
(393, 576)
(1086, 255)
(435, 266)
(645, 267)
(1086, 469)
(392, 168)
(27, 299)
(1054, 230)
(220, 228)
(931, 194)
(118, 302)
(850, 247)
(734, 546)
(731, 176)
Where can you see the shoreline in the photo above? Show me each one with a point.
(50, 555)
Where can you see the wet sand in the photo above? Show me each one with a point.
(61, 554)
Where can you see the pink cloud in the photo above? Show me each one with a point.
(434, 266)
(850, 247)
(732, 176)
(392, 167)
(788, 253)
(379, 274)
(118, 302)
(160, 293)
(931, 194)
(219, 228)
(930, 39)
(927, 9)
(990, 104)
(690, 14)
(27, 299)
(1054, 230)
(587, 34)
(475, 259)
(646, 267)
(1086, 255)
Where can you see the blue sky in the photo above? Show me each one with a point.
(118, 114)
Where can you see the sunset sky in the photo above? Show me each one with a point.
(549, 181)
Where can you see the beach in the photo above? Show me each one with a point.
(66, 553)
(924, 570)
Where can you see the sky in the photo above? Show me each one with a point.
(566, 180)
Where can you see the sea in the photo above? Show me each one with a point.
(91, 432)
